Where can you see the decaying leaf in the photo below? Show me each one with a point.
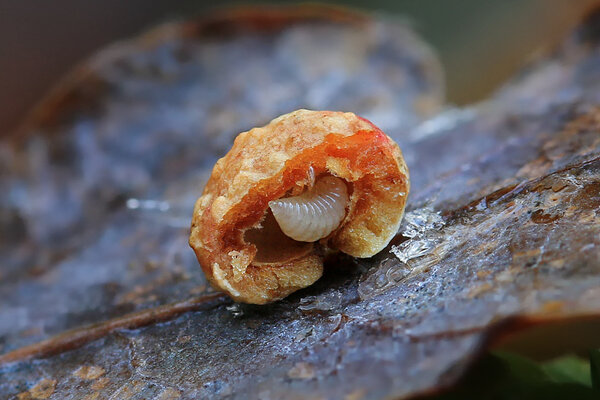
(100, 183)
(503, 220)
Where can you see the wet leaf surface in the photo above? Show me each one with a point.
(503, 219)
(101, 183)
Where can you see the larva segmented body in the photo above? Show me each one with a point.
(314, 214)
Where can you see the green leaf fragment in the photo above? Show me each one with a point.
(569, 369)
(507, 376)
(595, 368)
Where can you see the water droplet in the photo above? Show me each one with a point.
(389, 274)
(176, 216)
(149, 205)
(422, 228)
(418, 222)
(324, 302)
(482, 205)
(414, 255)
(236, 310)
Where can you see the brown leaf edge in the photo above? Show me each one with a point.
(75, 338)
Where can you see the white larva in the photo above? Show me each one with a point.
(315, 213)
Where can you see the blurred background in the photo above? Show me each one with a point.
(481, 43)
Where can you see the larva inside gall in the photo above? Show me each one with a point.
(307, 184)
(315, 213)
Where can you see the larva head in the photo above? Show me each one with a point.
(306, 182)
